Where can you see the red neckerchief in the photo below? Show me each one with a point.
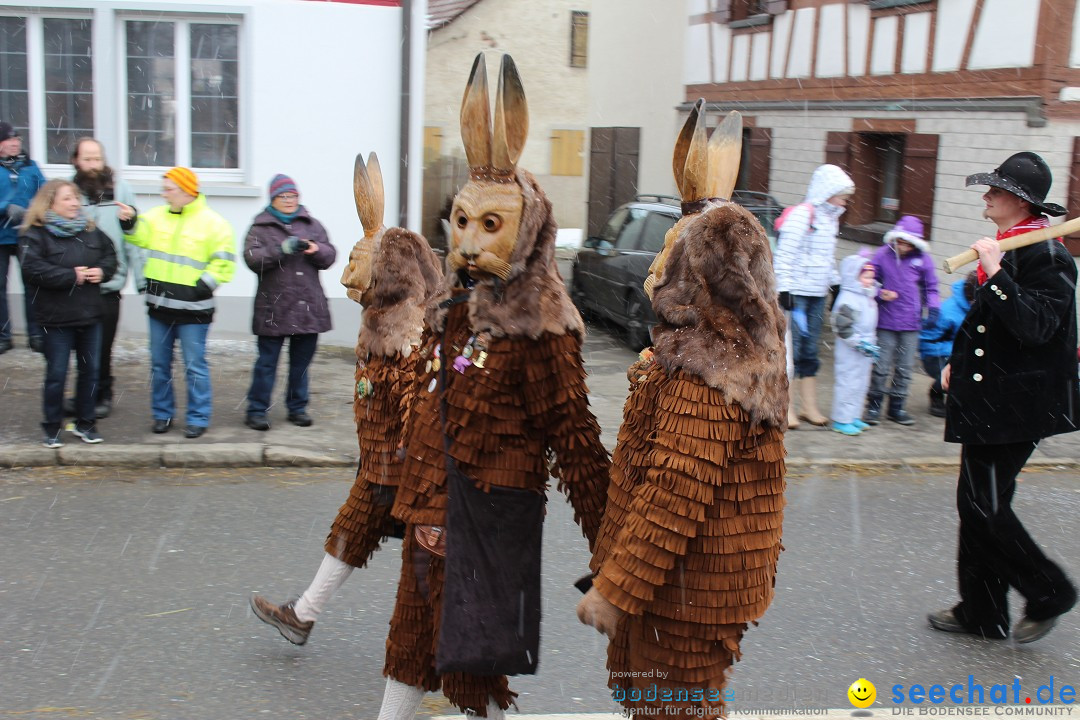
(1032, 223)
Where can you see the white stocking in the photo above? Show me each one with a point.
(400, 701)
(332, 575)
(494, 711)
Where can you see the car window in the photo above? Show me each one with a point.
(614, 223)
(631, 231)
(656, 226)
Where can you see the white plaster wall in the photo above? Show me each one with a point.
(883, 61)
(830, 55)
(916, 42)
(858, 38)
(1006, 35)
(639, 87)
(954, 17)
(313, 136)
(537, 35)
(802, 43)
(696, 55)
(759, 56)
(721, 51)
(740, 58)
(781, 30)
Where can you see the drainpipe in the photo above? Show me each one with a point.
(413, 56)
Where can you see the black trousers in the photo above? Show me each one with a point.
(109, 320)
(996, 552)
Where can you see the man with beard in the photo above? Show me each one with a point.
(19, 182)
(109, 202)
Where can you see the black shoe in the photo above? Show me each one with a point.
(5, 345)
(89, 435)
(945, 621)
(69, 407)
(1028, 630)
(937, 403)
(36, 343)
(897, 413)
(53, 441)
(102, 409)
(872, 414)
(257, 421)
(161, 426)
(301, 419)
(193, 431)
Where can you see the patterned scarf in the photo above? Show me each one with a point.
(62, 226)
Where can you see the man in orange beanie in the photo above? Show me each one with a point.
(191, 251)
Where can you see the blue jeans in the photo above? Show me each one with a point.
(933, 365)
(301, 351)
(58, 344)
(192, 337)
(32, 328)
(806, 345)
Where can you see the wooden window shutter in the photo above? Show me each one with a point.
(568, 152)
(760, 156)
(920, 177)
(1073, 203)
(776, 7)
(432, 144)
(838, 150)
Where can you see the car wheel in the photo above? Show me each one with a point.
(637, 328)
(576, 295)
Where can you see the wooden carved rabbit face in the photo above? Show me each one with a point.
(706, 169)
(368, 194)
(486, 215)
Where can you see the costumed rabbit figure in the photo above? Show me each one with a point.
(501, 407)
(688, 548)
(392, 273)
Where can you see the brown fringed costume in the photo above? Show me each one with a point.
(691, 532)
(516, 402)
(392, 273)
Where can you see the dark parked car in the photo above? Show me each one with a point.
(610, 268)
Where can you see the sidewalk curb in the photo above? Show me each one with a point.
(171, 456)
(211, 455)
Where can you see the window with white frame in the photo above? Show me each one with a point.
(55, 83)
(177, 102)
(182, 82)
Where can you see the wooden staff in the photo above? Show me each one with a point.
(1016, 241)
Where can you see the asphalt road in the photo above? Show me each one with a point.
(125, 594)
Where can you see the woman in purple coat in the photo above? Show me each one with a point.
(286, 248)
(905, 270)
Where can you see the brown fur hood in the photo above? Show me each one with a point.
(533, 300)
(718, 313)
(405, 274)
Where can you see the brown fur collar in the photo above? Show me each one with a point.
(718, 313)
(533, 300)
(405, 274)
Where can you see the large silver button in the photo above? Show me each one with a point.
(1004, 296)
(994, 288)
(981, 328)
(979, 352)
(977, 377)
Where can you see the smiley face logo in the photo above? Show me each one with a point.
(862, 693)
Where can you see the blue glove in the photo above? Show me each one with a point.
(931, 318)
(869, 349)
(798, 317)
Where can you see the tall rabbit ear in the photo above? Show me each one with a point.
(368, 193)
(725, 155)
(682, 143)
(511, 119)
(476, 116)
(693, 145)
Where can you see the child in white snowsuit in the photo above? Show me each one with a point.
(854, 322)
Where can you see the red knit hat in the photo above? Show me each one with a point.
(185, 180)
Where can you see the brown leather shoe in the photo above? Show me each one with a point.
(283, 617)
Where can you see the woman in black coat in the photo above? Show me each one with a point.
(64, 261)
(1011, 381)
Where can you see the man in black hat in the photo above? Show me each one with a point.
(19, 182)
(1011, 381)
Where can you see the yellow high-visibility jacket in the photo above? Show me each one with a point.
(188, 254)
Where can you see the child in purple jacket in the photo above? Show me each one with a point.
(905, 270)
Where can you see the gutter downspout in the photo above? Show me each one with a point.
(413, 63)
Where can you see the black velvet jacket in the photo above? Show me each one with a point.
(1014, 362)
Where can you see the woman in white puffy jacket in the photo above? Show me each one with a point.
(805, 267)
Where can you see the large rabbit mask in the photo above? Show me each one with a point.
(486, 215)
(706, 169)
(368, 194)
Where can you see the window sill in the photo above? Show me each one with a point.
(890, 4)
(868, 234)
(210, 190)
(752, 21)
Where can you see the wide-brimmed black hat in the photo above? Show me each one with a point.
(1025, 175)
